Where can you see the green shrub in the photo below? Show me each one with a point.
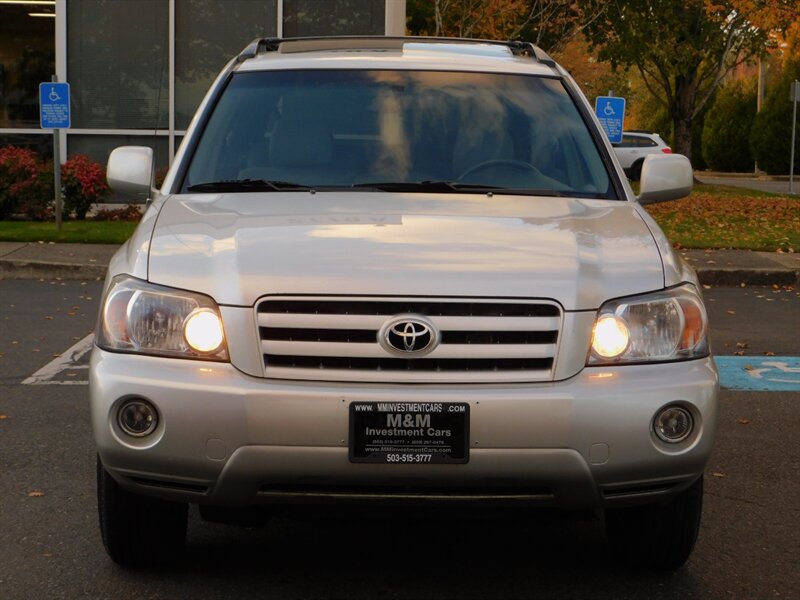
(726, 132)
(771, 137)
(84, 184)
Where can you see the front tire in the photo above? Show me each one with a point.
(138, 530)
(658, 536)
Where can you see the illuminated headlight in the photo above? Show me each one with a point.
(664, 326)
(140, 317)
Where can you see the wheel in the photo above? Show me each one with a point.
(138, 530)
(636, 170)
(507, 162)
(658, 536)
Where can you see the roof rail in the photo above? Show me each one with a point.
(306, 44)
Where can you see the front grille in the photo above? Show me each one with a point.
(337, 339)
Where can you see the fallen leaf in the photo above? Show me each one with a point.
(742, 344)
(718, 474)
(706, 287)
(731, 312)
(744, 421)
(769, 354)
(775, 286)
(739, 353)
(3, 417)
(743, 284)
(35, 494)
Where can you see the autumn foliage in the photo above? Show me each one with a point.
(24, 187)
(736, 220)
(84, 184)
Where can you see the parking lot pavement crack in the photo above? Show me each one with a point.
(9, 248)
(735, 499)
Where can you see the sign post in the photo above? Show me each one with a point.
(54, 113)
(610, 111)
(795, 99)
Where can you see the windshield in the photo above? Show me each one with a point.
(362, 129)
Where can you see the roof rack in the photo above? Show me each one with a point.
(380, 42)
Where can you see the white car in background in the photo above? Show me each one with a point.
(633, 149)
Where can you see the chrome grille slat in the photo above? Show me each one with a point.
(336, 339)
(324, 321)
(324, 349)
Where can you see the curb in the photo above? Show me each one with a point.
(27, 269)
(754, 276)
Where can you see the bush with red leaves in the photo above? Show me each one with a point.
(84, 184)
(25, 186)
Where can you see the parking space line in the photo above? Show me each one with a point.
(67, 361)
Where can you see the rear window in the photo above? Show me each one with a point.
(342, 128)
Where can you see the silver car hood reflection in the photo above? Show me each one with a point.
(239, 247)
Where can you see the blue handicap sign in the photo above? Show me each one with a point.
(610, 110)
(759, 373)
(54, 110)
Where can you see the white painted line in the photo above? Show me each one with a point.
(64, 362)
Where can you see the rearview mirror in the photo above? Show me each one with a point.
(130, 171)
(665, 177)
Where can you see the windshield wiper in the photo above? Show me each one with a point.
(443, 186)
(247, 185)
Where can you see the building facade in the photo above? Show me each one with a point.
(139, 68)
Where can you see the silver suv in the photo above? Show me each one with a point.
(399, 270)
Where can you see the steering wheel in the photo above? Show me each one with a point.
(508, 162)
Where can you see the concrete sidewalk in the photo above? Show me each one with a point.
(89, 261)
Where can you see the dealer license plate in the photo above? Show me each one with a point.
(409, 432)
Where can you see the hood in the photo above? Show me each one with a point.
(239, 247)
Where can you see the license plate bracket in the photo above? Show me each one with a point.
(409, 432)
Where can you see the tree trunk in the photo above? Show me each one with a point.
(683, 136)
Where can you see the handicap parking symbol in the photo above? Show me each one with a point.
(757, 373)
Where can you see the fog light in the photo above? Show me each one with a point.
(137, 418)
(673, 424)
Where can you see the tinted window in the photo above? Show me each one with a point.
(340, 128)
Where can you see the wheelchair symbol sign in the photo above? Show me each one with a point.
(54, 109)
(774, 373)
(610, 111)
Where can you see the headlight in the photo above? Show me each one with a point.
(668, 325)
(140, 317)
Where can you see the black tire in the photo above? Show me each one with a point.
(138, 530)
(659, 536)
(636, 170)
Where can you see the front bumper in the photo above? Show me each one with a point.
(226, 438)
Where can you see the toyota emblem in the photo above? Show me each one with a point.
(409, 336)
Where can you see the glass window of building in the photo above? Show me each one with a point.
(117, 63)
(27, 57)
(343, 17)
(208, 33)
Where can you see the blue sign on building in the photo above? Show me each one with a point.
(610, 110)
(54, 105)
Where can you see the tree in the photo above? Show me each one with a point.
(547, 23)
(771, 138)
(726, 133)
(684, 48)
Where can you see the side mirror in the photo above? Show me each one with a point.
(130, 171)
(665, 177)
